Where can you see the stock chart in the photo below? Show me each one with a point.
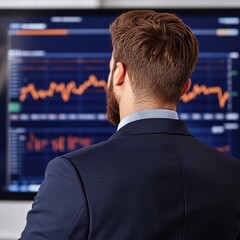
(57, 79)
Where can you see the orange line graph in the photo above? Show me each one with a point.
(60, 144)
(65, 89)
(203, 89)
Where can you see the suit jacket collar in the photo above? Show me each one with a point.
(150, 126)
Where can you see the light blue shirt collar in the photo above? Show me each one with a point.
(145, 114)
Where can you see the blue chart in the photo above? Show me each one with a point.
(32, 148)
(57, 106)
(58, 80)
(211, 108)
(57, 96)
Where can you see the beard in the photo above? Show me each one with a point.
(113, 114)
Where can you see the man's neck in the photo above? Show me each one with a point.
(136, 107)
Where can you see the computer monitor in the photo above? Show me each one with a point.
(54, 67)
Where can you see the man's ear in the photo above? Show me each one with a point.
(119, 74)
(187, 86)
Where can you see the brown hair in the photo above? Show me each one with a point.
(158, 50)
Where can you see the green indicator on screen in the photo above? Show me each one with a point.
(234, 94)
(14, 107)
(234, 72)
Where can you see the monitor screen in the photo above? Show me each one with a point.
(54, 67)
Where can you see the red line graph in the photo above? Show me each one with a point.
(203, 89)
(60, 144)
(225, 148)
(64, 89)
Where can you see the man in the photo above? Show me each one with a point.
(152, 179)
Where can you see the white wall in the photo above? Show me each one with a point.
(12, 218)
(49, 3)
(169, 3)
(115, 3)
(13, 214)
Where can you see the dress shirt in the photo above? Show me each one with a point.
(150, 113)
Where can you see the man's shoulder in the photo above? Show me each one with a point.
(95, 161)
(98, 152)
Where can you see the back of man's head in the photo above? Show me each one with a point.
(158, 50)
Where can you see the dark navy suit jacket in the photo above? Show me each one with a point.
(151, 180)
